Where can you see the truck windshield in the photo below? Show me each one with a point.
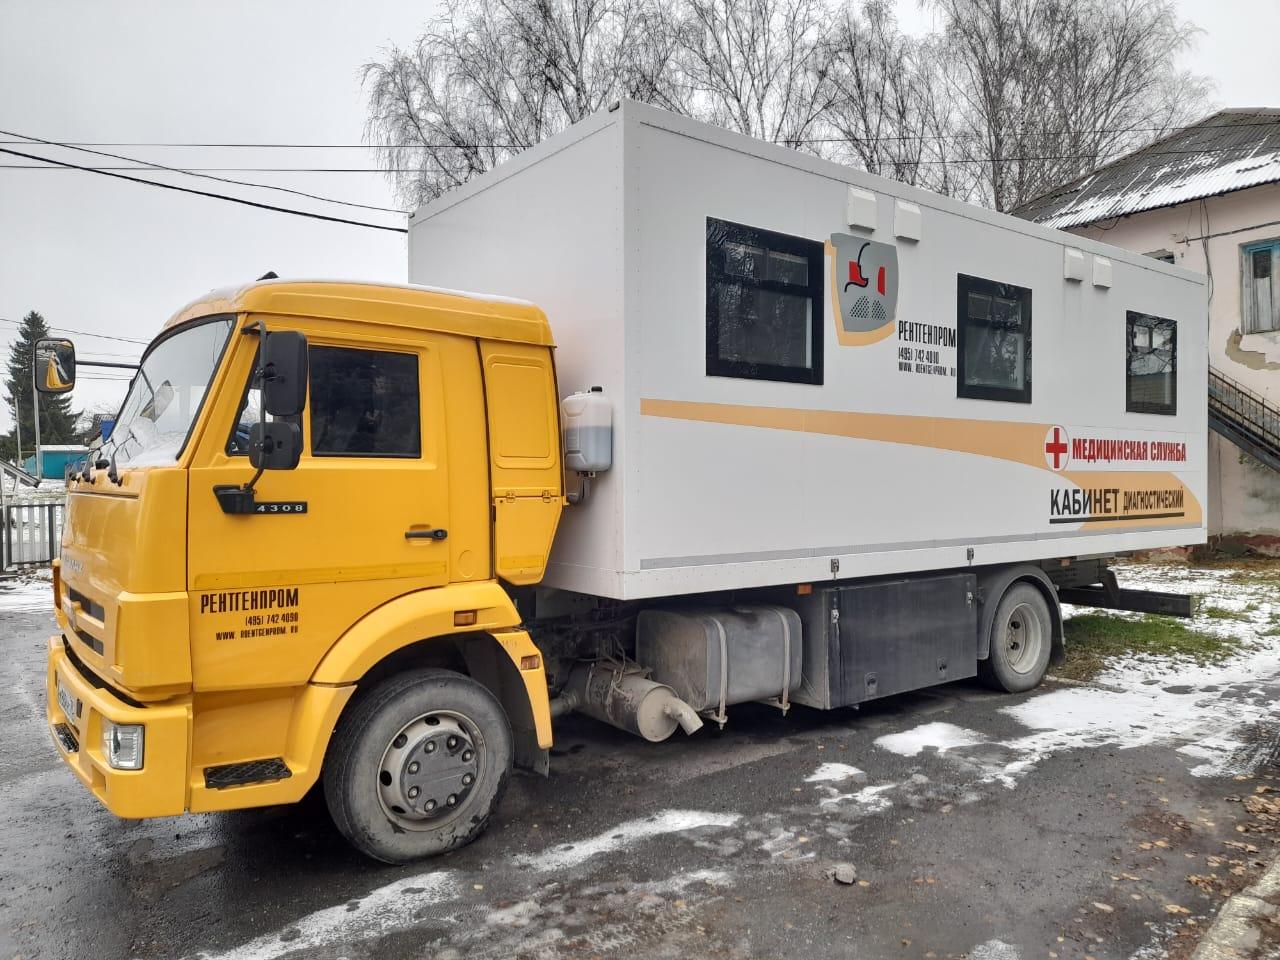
(166, 394)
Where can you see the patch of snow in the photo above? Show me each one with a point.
(18, 596)
(939, 736)
(833, 773)
(994, 949)
(381, 911)
(625, 835)
(682, 881)
(865, 802)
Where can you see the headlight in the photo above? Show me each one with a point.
(122, 744)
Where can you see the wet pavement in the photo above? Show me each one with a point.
(1062, 823)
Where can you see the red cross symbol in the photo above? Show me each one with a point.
(1056, 448)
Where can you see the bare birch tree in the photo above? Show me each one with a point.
(1048, 89)
(487, 80)
(889, 113)
(759, 67)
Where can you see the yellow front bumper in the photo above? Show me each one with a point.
(159, 789)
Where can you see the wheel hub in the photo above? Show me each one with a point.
(1023, 638)
(429, 769)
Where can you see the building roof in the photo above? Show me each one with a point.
(406, 305)
(1226, 151)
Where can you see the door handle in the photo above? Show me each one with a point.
(430, 533)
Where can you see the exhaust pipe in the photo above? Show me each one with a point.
(628, 701)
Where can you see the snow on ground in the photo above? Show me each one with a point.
(939, 736)
(1209, 710)
(32, 593)
(834, 772)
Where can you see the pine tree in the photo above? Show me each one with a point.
(57, 419)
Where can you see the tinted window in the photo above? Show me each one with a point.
(994, 342)
(764, 304)
(364, 403)
(1151, 364)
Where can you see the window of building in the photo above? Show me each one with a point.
(764, 304)
(1261, 272)
(1151, 366)
(364, 403)
(993, 340)
(1164, 256)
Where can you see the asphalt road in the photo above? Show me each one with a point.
(1065, 826)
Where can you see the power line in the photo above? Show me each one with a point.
(197, 171)
(789, 143)
(964, 134)
(84, 333)
(194, 173)
(206, 193)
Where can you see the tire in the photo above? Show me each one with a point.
(410, 744)
(1021, 641)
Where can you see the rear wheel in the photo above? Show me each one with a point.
(1021, 641)
(418, 766)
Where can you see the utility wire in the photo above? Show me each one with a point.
(83, 333)
(192, 172)
(790, 143)
(206, 193)
(515, 146)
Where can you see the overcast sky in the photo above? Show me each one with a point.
(108, 257)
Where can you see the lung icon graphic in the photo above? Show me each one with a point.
(866, 273)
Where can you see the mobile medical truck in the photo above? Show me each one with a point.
(786, 433)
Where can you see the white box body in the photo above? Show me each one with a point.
(726, 483)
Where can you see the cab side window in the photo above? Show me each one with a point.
(248, 414)
(364, 403)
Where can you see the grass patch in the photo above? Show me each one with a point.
(1220, 613)
(1095, 638)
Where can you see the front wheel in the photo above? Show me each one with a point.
(1021, 641)
(418, 766)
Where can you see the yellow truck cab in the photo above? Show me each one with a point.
(215, 631)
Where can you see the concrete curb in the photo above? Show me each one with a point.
(1234, 934)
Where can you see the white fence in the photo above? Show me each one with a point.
(32, 532)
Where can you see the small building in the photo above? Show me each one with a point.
(54, 459)
(1208, 198)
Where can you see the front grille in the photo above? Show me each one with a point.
(251, 771)
(92, 642)
(66, 737)
(95, 610)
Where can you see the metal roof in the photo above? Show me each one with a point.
(1229, 150)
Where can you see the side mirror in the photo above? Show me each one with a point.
(55, 366)
(275, 445)
(284, 374)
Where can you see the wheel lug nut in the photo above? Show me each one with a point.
(467, 755)
(466, 779)
(413, 792)
(453, 799)
(413, 767)
(429, 806)
(451, 742)
(430, 747)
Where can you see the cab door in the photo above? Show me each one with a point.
(365, 516)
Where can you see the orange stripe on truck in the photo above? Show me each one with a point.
(1021, 443)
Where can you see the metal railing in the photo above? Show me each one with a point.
(32, 533)
(1247, 413)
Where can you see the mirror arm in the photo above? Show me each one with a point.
(233, 497)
